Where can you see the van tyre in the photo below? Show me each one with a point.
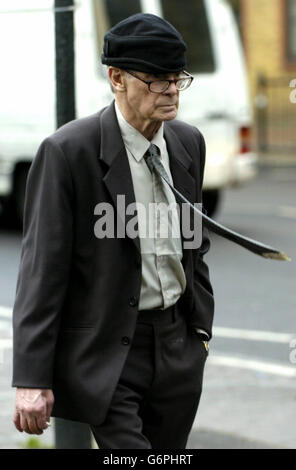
(7, 214)
(211, 201)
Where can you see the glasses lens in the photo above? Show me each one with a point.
(158, 86)
(183, 83)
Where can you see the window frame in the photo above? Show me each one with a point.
(289, 58)
(193, 67)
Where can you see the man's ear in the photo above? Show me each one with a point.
(117, 79)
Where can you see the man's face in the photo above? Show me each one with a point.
(147, 105)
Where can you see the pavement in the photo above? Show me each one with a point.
(245, 409)
(239, 409)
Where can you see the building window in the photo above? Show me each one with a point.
(291, 30)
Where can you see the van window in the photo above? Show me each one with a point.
(117, 10)
(291, 30)
(190, 19)
(110, 12)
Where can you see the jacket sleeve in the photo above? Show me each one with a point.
(203, 311)
(44, 267)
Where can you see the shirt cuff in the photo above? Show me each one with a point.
(203, 333)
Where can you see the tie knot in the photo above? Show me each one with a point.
(152, 151)
(151, 155)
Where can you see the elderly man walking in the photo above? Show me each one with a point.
(111, 325)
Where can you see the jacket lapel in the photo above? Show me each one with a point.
(118, 178)
(180, 162)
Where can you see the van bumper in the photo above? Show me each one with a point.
(245, 167)
(223, 171)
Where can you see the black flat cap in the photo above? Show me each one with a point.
(146, 43)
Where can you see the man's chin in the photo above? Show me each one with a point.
(168, 114)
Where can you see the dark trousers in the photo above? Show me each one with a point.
(157, 396)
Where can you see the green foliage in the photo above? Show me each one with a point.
(35, 443)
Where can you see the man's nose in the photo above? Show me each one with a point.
(172, 89)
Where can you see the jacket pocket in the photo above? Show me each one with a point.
(69, 329)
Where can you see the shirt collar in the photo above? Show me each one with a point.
(136, 143)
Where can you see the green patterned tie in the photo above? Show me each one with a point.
(152, 158)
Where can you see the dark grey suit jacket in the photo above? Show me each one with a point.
(77, 295)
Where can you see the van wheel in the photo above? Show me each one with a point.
(7, 215)
(211, 201)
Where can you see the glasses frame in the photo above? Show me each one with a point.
(175, 80)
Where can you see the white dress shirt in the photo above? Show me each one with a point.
(163, 277)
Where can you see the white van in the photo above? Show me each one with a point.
(217, 102)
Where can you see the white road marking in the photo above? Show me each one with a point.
(5, 325)
(220, 359)
(252, 335)
(262, 210)
(5, 312)
(251, 364)
(5, 343)
(287, 211)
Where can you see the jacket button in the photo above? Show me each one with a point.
(133, 301)
(125, 340)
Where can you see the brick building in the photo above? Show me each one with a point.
(269, 37)
(268, 30)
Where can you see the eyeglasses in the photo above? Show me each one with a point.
(159, 86)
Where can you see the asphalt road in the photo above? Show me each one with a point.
(249, 395)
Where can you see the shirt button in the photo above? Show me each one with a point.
(125, 340)
(133, 301)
